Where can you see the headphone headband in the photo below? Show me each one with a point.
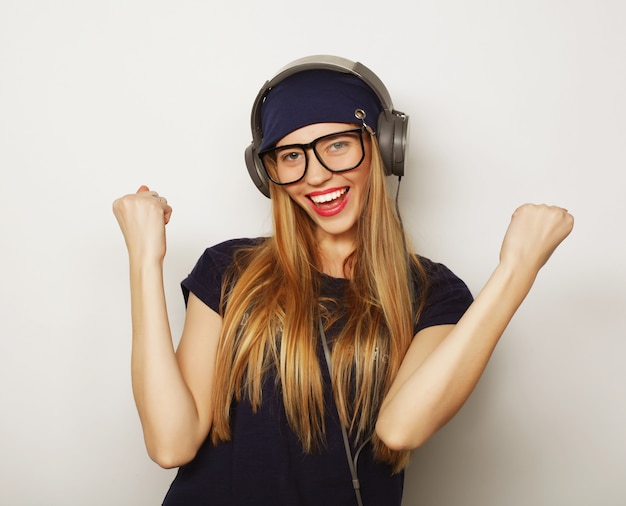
(392, 125)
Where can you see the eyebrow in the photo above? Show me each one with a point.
(308, 144)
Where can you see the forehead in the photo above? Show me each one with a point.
(309, 133)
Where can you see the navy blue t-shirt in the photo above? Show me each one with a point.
(264, 463)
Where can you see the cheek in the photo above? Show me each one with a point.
(292, 192)
(366, 166)
(296, 196)
(363, 176)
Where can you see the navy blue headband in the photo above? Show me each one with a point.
(315, 96)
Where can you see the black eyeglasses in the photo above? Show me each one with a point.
(337, 152)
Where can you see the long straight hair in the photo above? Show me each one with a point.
(271, 308)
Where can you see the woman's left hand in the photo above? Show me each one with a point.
(444, 363)
(534, 233)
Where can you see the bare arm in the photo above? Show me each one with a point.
(444, 364)
(171, 390)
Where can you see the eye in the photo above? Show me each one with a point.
(290, 156)
(338, 145)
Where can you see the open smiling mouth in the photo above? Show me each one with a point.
(329, 200)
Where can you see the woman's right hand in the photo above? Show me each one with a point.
(142, 217)
(172, 392)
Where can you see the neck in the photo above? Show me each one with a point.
(333, 254)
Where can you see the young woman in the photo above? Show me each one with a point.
(313, 361)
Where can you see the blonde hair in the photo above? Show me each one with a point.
(271, 308)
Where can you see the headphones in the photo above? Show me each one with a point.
(391, 128)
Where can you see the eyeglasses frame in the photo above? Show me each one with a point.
(311, 146)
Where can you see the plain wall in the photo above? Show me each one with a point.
(510, 101)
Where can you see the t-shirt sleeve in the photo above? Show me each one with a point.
(447, 299)
(206, 278)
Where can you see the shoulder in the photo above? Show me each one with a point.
(225, 251)
(439, 274)
(205, 279)
(447, 296)
(221, 255)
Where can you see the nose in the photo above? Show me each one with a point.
(316, 173)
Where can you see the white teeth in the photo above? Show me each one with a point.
(327, 197)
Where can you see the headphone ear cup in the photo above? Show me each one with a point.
(384, 135)
(392, 133)
(256, 170)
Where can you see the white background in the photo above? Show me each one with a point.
(510, 101)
